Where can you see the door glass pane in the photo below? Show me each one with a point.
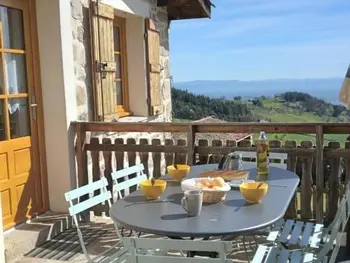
(116, 35)
(19, 117)
(2, 122)
(118, 85)
(118, 72)
(15, 73)
(12, 27)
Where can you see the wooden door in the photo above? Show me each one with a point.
(21, 183)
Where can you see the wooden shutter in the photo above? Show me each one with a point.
(154, 68)
(105, 96)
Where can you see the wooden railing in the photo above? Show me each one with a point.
(319, 166)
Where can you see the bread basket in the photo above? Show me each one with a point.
(210, 196)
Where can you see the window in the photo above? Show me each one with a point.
(110, 86)
(110, 79)
(121, 76)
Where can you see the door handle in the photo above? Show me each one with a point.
(33, 106)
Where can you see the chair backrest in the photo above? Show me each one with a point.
(135, 246)
(103, 196)
(136, 169)
(281, 157)
(74, 209)
(337, 226)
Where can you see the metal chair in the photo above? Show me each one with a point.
(104, 195)
(125, 185)
(304, 235)
(136, 246)
(325, 252)
(281, 157)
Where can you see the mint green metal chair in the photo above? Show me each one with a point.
(121, 186)
(104, 195)
(304, 235)
(327, 247)
(137, 169)
(136, 247)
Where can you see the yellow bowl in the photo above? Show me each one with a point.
(253, 194)
(153, 191)
(180, 173)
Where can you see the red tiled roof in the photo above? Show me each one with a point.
(233, 136)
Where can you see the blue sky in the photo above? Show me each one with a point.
(263, 39)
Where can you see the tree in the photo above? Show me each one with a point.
(189, 106)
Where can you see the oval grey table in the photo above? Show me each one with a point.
(231, 217)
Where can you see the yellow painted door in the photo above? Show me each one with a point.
(21, 184)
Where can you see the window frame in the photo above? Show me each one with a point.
(124, 109)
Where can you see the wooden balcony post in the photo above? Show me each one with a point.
(347, 186)
(81, 155)
(81, 160)
(319, 174)
(191, 141)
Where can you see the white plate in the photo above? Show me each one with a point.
(237, 183)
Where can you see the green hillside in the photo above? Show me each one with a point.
(286, 107)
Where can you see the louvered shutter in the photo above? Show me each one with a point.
(154, 68)
(105, 96)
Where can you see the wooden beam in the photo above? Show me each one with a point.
(240, 127)
(191, 144)
(205, 7)
(81, 159)
(136, 148)
(187, 9)
(162, 2)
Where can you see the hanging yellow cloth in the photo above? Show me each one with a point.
(344, 95)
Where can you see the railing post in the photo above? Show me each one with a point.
(82, 164)
(347, 186)
(81, 156)
(191, 141)
(319, 174)
(306, 182)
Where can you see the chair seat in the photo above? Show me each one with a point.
(266, 254)
(295, 232)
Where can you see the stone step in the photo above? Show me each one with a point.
(25, 237)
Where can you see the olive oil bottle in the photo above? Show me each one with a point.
(262, 157)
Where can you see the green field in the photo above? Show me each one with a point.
(276, 111)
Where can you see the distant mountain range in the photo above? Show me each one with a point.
(326, 89)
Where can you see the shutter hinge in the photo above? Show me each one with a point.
(145, 35)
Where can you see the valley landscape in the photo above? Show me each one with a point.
(326, 89)
(260, 101)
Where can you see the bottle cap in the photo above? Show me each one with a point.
(262, 135)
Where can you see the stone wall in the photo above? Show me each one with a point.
(83, 75)
(159, 14)
(83, 67)
(82, 58)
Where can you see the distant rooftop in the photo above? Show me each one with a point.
(231, 136)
